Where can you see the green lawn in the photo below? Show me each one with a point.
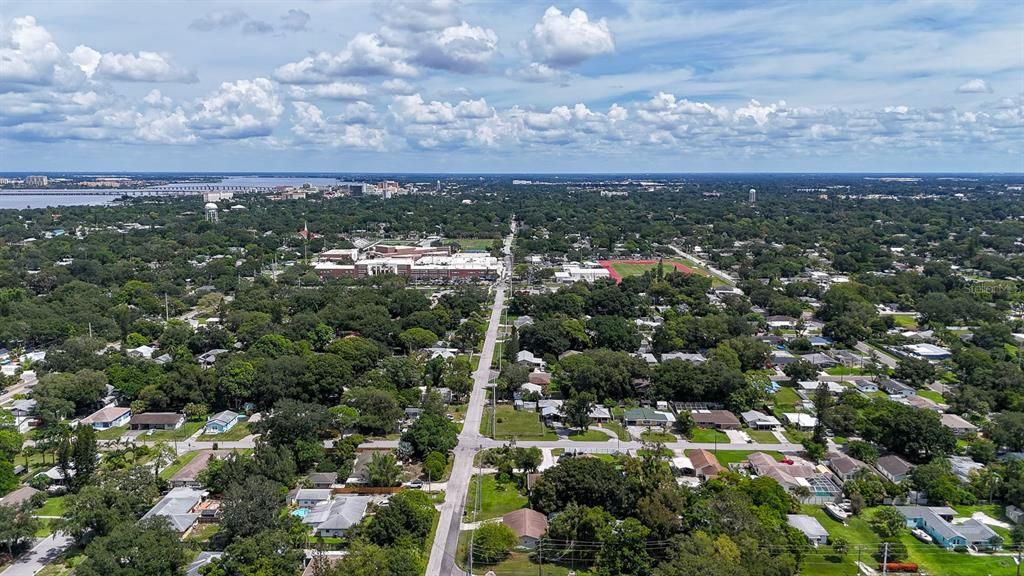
(618, 429)
(64, 564)
(471, 243)
(786, 398)
(178, 464)
(931, 395)
(904, 320)
(936, 560)
(186, 430)
(663, 437)
(795, 436)
(845, 371)
(53, 507)
(239, 431)
(856, 532)
(588, 436)
(518, 423)
(708, 435)
(516, 564)
(496, 498)
(203, 532)
(763, 436)
(111, 433)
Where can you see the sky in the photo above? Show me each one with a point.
(503, 86)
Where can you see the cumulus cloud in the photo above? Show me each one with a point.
(142, 67)
(295, 20)
(311, 125)
(561, 40)
(292, 21)
(219, 20)
(398, 86)
(461, 48)
(419, 15)
(537, 72)
(241, 109)
(365, 55)
(331, 91)
(29, 56)
(975, 86)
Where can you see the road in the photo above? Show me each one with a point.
(704, 264)
(884, 358)
(44, 552)
(446, 541)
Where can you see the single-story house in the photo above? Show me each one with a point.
(529, 526)
(157, 421)
(820, 341)
(188, 475)
(550, 409)
(106, 418)
(795, 475)
(222, 422)
(683, 466)
(820, 360)
(705, 464)
(717, 419)
(811, 386)
(958, 425)
(540, 378)
(207, 359)
(527, 357)
(684, 356)
(809, 525)
(759, 420)
(333, 517)
(848, 357)
(141, 352)
(963, 466)
(845, 466)
(522, 321)
(922, 403)
(893, 468)
(179, 508)
(781, 358)
(600, 414)
(16, 497)
(309, 497)
(442, 353)
(781, 322)
(23, 408)
(895, 388)
(800, 420)
(323, 480)
(528, 388)
(865, 386)
(936, 521)
(928, 351)
(646, 416)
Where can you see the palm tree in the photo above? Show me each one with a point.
(162, 454)
(383, 470)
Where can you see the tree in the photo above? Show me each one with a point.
(434, 465)
(493, 541)
(457, 376)
(8, 479)
(409, 515)
(149, 548)
(417, 338)
(510, 349)
(799, 371)
(683, 424)
(17, 526)
(85, 456)
(268, 553)
(822, 406)
(379, 411)
(291, 420)
(431, 433)
(916, 372)
(862, 450)
(585, 481)
(1007, 429)
(580, 523)
(251, 507)
(840, 546)
(815, 450)
(118, 497)
(196, 411)
(614, 333)
(887, 522)
(624, 552)
(577, 410)
(382, 470)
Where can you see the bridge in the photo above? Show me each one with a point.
(169, 190)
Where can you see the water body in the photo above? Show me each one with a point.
(15, 201)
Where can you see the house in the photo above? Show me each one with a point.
(600, 414)
(705, 464)
(529, 526)
(800, 420)
(645, 416)
(865, 386)
(179, 508)
(936, 521)
(550, 409)
(201, 559)
(809, 525)
(106, 418)
(922, 403)
(896, 389)
(794, 475)
(15, 498)
(323, 480)
(527, 357)
(781, 322)
(188, 475)
(333, 517)
(522, 322)
(23, 408)
(310, 497)
(845, 466)
(928, 351)
(717, 419)
(56, 476)
(684, 356)
(1016, 515)
(958, 425)
(539, 378)
(759, 420)
(782, 358)
(157, 421)
(141, 352)
(820, 341)
(221, 422)
(963, 466)
(893, 468)
(811, 386)
(682, 466)
(208, 359)
(820, 360)
(412, 413)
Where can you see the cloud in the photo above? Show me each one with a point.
(561, 40)
(141, 67)
(311, 126)
(975, 86)
(398, 86)
(219, 20)
(419, 15)
(29, 56)
(241, 109)
(365, 55)
(332, 91)
(537, 72)
(295, 20)
(461, 48)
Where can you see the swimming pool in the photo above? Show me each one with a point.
(300, 512)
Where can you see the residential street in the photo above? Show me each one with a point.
(884, 358)
(44, 552)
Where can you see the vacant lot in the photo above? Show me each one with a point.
(521, 424)
(496, 498)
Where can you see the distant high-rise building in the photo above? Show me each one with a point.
(37, 180)
(752, 198)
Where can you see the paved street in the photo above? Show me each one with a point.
(884, 358)
(44, 552)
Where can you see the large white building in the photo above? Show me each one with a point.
(576, 273)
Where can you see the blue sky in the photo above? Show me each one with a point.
(448, 86)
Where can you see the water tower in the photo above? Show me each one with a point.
(752, 196)
(211, 212)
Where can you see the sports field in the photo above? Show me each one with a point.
(620, 269)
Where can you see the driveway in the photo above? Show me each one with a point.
(44, 552)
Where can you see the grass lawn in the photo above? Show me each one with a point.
(795, 436)
(936, 560)
(618, 429)
(472, 243)
(931, 395)
(496, 498)
(203, 532)
(845, 371)
(726, 457)
(517, 563)
(44, 528)
(786, 398)
(178, 464)
(186, 430)
(904, 320)
(64, 564)
(856, 532)
(708, 435)
(239, 431)
(519, 423)
(663, 437)
(588, 436)
(111, 433)
(763, 436)
(53, 507)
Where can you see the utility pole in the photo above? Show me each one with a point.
(1020, 558)
(167, 309)
(885, 559)
(540, 556)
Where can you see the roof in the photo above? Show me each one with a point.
(201, 559)
(931, 517)
(705, 462)
(538, 377)
(526, 522)
(719, 417)
(809, 525)
(800, 419)
(954, 421)
(752, 416)
(18, 496)
(156, 418)
(343, 512)
(177, 507)
(845, 465)
(223, 418)
(975, 531)
(190, 472)
(684, 356)
(645, 413)
(107, 414)
(323, 477)
(893, 465)
(313, 494)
